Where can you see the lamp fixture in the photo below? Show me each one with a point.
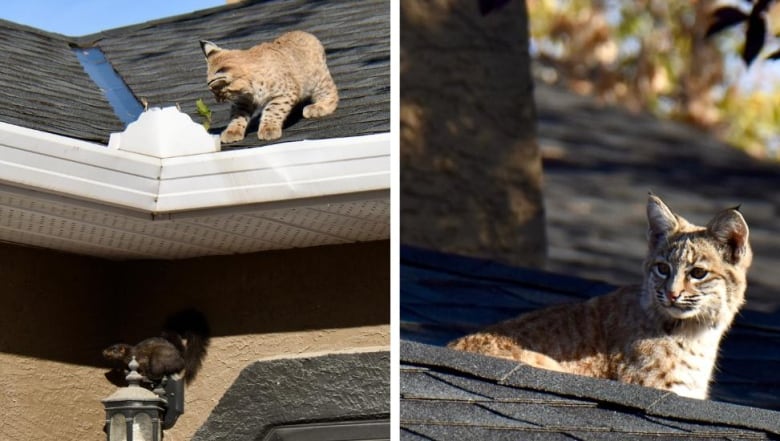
(134, 413)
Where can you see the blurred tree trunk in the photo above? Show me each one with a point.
(704, 71)
(470, 166)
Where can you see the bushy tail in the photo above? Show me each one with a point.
(189, 331)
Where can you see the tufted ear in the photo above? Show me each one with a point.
(730, 229)
(209, 47)
(661, 221)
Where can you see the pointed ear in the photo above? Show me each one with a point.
(208, 47)
(730, 229)
(661, 221)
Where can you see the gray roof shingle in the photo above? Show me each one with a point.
(45, 87)
(161, 61)
(446, 394)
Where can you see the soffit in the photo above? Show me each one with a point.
(40, 220)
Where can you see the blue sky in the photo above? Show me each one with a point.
(82, 17)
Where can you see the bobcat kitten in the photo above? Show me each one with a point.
(273, 76)
(663, 333)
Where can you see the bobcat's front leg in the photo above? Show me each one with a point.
(240, 113)
(274, 114)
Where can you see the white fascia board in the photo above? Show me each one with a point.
(296, 170)
(286, 171)
(78, 169)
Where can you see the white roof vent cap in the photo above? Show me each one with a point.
(165, 133)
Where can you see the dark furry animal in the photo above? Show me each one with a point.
(179, 350)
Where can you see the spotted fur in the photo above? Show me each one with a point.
(663, 333)
(272, 76)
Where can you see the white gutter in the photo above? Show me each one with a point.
(304, 169)
(74, 168)
(162, 185)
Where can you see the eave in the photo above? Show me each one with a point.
(76, 196)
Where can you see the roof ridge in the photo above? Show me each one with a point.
(89, 39)
(33, 30)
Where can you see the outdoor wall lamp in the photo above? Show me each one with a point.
(134, 413)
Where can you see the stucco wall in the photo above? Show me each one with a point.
(58, 311)
(312, 388)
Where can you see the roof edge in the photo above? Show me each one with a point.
(650, 401)
(76, 169)
(285, 171)
(88, 40)
(63, 166)
(38, 31)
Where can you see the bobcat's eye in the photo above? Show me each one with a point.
(663, 269)
(698, 273)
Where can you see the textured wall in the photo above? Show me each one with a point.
(470, 166)
(279, 392)
(58, 311)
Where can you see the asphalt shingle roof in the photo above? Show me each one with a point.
(45, 87)
(600, 162)
(448, 394)
(161, 61)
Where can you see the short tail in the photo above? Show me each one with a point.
(191, 333)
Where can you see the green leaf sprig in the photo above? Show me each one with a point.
(204, 112)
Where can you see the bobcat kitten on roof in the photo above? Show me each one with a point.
(663, 333)
(272, 76)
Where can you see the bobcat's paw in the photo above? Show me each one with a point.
(231, 135)
(268, 132)
(316, 110)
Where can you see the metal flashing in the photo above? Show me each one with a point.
(360, 430)
(125, 105)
